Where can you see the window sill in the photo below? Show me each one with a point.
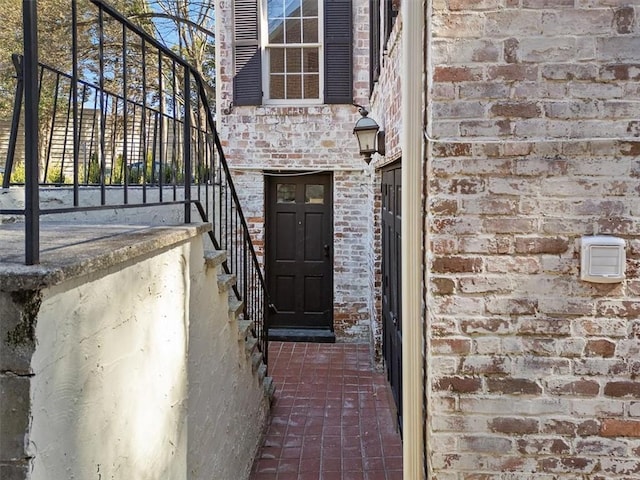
(288, 109)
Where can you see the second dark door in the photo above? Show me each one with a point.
(391, 280)
(299, 256)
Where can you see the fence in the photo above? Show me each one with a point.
(124, 114)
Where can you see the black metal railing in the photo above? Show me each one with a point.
(123, 122)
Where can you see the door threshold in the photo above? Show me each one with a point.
(317, 335)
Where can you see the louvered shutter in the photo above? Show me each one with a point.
(338, 59)
(374, 42)
(247, 80)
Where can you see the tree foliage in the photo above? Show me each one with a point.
(55, 39)
(184, 26)
(187, 27)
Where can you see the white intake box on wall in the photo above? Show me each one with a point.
(603, 259)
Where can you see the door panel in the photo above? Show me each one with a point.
(391, 280)
(299, 263)
(285, 246)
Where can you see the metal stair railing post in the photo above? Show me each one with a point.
(31, 100)
(93, 102)
(258, 317)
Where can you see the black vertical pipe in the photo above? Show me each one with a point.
(245, 269)
(161, 127)
(187, 145)
(155, 174)
(103, 108)
(66, 133)
(15, 120)
(53, 127)
(30, 76)
(174, 145)
(125, 118)
(143, 120)
(74, 96)
(113, 139)
(87, 166)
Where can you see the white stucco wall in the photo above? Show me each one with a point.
(110, 374)
(61, 197)
(139, 373)
(226, 416)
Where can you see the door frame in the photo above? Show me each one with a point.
(392, 358)
(301, 333)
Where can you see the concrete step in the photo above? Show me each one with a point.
(226, 281)
(256, 360)
(251, 344)
(318, 335)
(269, 388)
(214, 258)
(262, 372)
(244, 329)
(235, 306)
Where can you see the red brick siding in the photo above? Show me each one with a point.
(307, 138)
(532, 119)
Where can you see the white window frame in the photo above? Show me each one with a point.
(265, 46)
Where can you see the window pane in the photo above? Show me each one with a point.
(311, 63)
(293, 71)
(293, 8)
(314, 194)
(275, 9)
(311, 86)
(310, 30)
(294, 86)
(276, 31)
(276, 86)
(294, 60)
(286, 193)
(309, 8)
(293, 31)
(276, 60)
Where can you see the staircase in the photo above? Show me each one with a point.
(133, 345)
(247, 338)
(131, 128)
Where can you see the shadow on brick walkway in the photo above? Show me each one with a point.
(332, 416)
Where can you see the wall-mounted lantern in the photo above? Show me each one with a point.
(370, 137)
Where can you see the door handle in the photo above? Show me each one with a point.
(326, 250)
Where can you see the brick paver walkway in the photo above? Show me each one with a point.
(332, 417)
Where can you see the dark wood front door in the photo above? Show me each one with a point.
(299, 255)
(391, 280)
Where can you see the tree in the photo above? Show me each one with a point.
(184, 26)
(55, 50)
(187, 28)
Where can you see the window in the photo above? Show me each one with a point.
(374, 42)
(292, 51)
(380, 11)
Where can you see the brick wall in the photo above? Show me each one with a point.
(307, 138)
(532, 370)
(386, 99)
(533, 109)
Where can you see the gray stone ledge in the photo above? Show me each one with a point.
(14, 470)
(68, 251)
(14, 415)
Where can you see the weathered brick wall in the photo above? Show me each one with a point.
(532, 370)
(303, 139)
(533, 109)
(534, 68)
(386, 99)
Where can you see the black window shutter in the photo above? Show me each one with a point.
(247, 80)
(374, 42)
(338, 58)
